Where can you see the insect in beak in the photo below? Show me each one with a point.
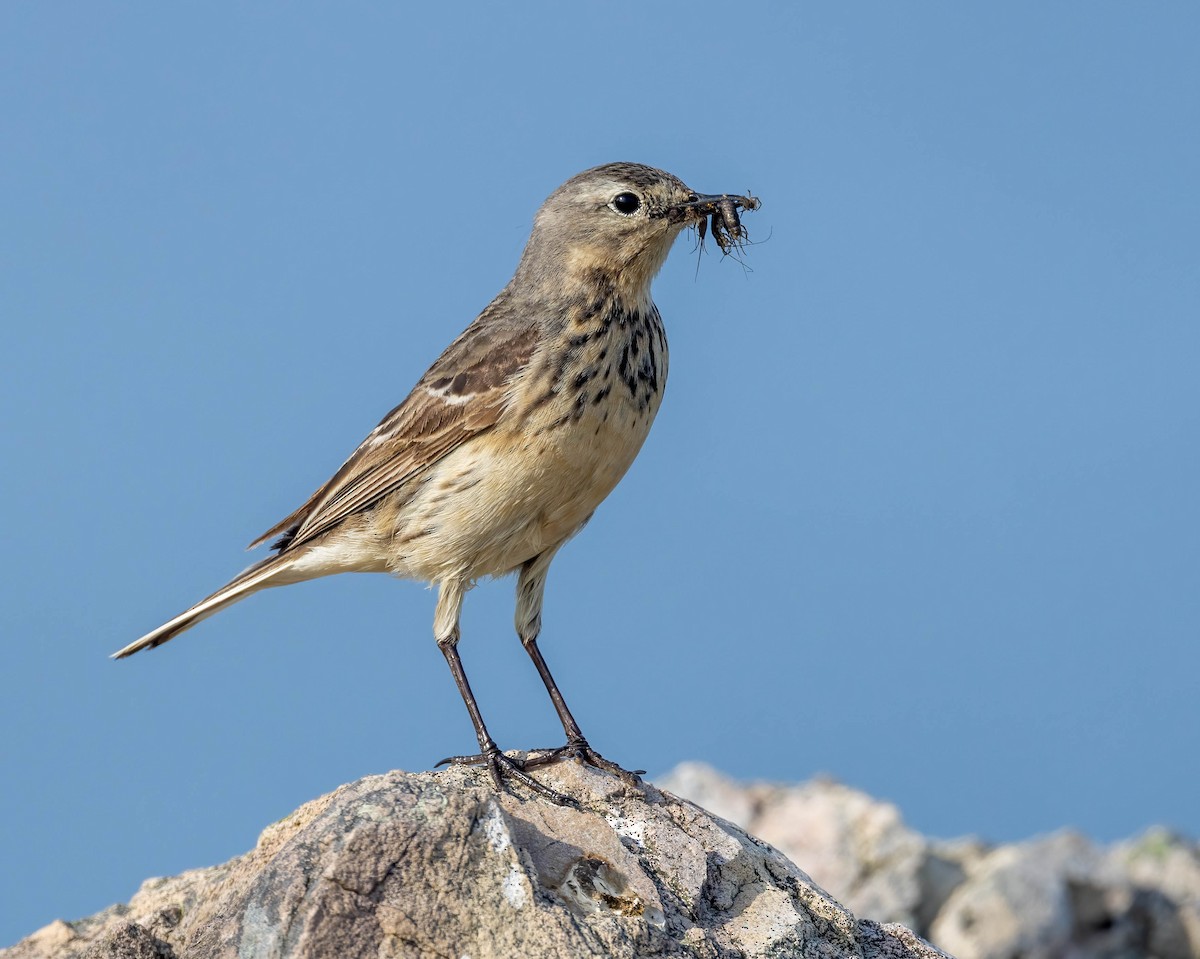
(727, 227)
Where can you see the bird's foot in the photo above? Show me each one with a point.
(577, 748)
(500, 766)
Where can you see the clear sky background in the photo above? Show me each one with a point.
(920, 510)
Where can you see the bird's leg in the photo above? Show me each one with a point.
(577, 746)
(531, 587)
(446, 630)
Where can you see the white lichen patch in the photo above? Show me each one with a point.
(496, 829)
(515, 885)
(633, 829)
(515, 888)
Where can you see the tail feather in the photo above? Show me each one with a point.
(259, 576)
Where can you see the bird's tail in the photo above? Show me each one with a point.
(269, 572)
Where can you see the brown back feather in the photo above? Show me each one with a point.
(463, 394)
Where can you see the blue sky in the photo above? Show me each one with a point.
(919, 511)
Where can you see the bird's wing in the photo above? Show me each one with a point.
(463, 394)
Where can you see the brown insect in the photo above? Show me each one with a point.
(727, 227)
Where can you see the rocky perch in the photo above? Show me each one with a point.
(440, 864)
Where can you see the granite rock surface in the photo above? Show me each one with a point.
(440, 864)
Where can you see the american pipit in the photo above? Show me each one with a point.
(513, 437)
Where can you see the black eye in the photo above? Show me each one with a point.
(626, 203)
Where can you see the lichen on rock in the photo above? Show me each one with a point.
(440, 864)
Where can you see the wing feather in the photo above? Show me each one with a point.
(463, 394)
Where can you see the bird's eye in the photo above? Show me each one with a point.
(626, 204)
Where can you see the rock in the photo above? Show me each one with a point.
(403, 865)
(129, 941)
(1167, 867)
(1057, 896)
(1063, 896)
(846, 840)
(440, 864)
(1017, 901)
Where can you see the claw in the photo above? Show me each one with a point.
(580, 751)
(500, 765)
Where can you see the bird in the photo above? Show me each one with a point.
(512, 438)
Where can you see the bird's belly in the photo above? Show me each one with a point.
(508, 495)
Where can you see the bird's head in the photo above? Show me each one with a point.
(616, 223)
